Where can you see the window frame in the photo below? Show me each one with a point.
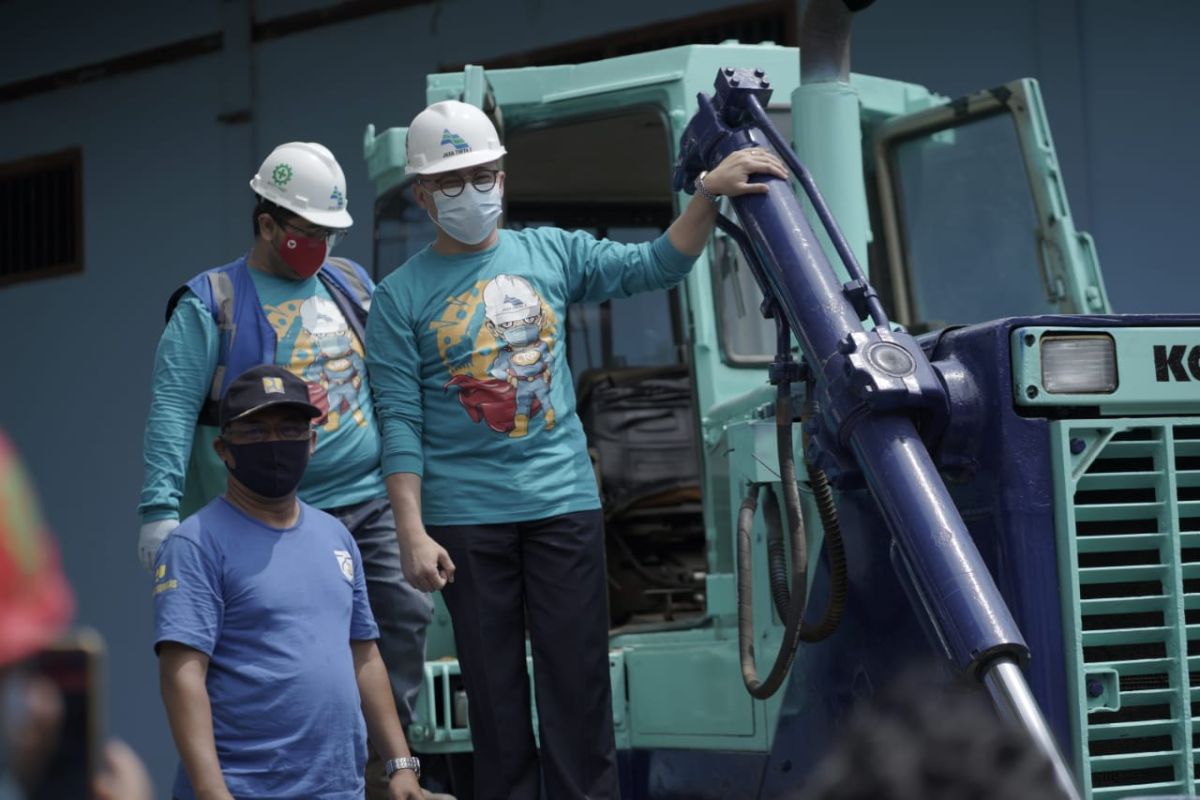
(1062, 266)
(72, 158)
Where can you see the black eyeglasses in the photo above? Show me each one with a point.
(251, 432)
(331, 235)
(453, 185)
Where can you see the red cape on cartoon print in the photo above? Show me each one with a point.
(492, 400)
(319, 398)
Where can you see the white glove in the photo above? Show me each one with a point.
(151, 537)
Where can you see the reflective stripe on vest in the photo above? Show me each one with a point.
(358, 289)
(221, 286)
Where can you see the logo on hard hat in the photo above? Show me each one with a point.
(339, 199)
(281, 175)
(454, 140)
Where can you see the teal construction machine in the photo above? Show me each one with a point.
(756, 431)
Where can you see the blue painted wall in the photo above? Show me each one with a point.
(165, 196)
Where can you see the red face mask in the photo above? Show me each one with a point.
(304, 254)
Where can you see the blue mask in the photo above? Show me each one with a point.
(520, 335)
(471, 216)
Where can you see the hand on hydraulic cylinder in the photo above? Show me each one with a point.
(732, 176)
(690, 231)
(427, 565)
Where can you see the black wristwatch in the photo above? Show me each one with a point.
(394, 765)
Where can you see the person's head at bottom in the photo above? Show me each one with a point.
(931, 737)
(266, 436)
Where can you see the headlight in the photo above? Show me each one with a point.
(1085, 364)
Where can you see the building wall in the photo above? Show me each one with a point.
(165, 197)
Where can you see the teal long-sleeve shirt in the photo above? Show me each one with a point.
(469, 371)
(345, 467)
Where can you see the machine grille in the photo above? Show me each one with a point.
(1130, 520)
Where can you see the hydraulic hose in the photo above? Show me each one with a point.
(760, 689)
(789, 602)
(777, 568)
(835, 550)
(827, 510)
(776, 558)
(839, 580)
(795, 630)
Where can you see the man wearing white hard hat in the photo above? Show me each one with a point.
(485, 458)
(286, 302)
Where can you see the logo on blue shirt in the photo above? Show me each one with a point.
(346, 563)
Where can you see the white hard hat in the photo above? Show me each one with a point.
(305, 178)
(450, 135)
(508, 298)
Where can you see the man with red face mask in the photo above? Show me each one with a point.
(286, 302)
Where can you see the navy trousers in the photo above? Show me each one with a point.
(548, 576)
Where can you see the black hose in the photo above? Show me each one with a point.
(777, 569)
(760, 689)
(835, 551)
(789, 602)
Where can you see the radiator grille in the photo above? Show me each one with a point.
(1129, 518)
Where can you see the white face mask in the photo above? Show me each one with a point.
(470, 217)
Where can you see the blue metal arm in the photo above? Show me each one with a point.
(873, 387)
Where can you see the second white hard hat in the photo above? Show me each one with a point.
(307, 180)
(450, 135)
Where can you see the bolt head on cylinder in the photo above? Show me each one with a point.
(891, 359)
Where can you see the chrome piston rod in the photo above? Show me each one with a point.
(1012, 698)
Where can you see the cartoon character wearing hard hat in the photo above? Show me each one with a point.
(514, 316)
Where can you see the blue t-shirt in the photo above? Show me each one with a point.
(469, 369)
(275, 611)
(314, 341)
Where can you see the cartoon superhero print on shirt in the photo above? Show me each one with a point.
(316, 344)
(496, 340)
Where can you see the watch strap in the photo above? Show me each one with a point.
(394, 765)
(703, 190)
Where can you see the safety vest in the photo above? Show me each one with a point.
(247, 340)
